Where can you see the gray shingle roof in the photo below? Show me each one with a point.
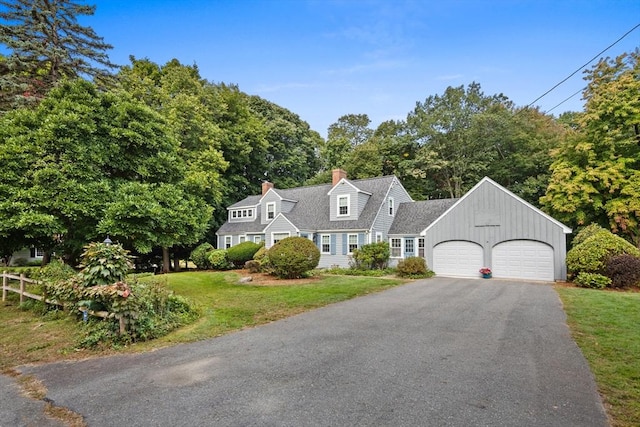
(311, 212)
(412, 218)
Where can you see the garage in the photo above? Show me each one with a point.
(457, 258)
(523, 259)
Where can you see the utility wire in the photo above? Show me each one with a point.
(582, 67)
(565, 100)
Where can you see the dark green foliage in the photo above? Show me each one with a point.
(624, 271)
(372, 256)
(242, 252)
(592, 280)
(292, 257)
(218, 259)
(587, 232)
(200, 255)
(360, 272)
(104, 264)
(262, 258)
(593, 253)
(46, 45)
(414, 267)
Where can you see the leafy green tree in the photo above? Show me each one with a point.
(596, 173)
(445, 127)
(84, 158)
(46, 45)
(350, 131)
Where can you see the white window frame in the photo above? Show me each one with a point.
(392, 247)
(413, 246)
(242, 239)
(322, 243)
(346, 197)
(250, 213)
(421, 247)
(228, 241)
(391, 206)
(273, 239)
(234, 214)
(257, 239)
(273, 212)
(378, 237)
(349, 244)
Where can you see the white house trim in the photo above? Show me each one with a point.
(346, 181)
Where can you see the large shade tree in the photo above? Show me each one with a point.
(596, 174)
(46, 44)
(82, 159)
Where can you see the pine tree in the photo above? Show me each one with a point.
(46, 44)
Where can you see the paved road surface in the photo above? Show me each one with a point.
(440, 352)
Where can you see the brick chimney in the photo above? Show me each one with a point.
(337, 175)
(266, 185)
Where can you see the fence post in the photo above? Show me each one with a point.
(4, 285)
(21, 288)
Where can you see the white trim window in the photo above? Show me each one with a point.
(227, 242)
(396, 248)
(378, 237)
(343, 205)
(409, 246)
(421, 247)
(257, 239)
(391, 207)
(352, 240)
(325, 244)
(271, 210)
(276, 237)
(243, 239)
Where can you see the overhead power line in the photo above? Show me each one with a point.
(582, 67)
(564, 100)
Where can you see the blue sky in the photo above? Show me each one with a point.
(324, 59)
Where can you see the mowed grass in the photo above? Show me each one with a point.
(29, 337)
(227, 305)
(606, 326)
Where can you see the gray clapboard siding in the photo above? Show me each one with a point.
(489, 215)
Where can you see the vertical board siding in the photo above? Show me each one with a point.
(513, 221)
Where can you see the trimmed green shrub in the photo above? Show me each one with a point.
(241, 253)
(592, 280)
(591, 256)
(262, 258)
(55, 271)
(20, 262)
(104, 264)
(624, 271)
(200, 255)
(292, 257)
(218, 259)
(414, 267)
(372, 256)
(587, 232)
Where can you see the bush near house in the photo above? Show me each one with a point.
(218, 259)
(200, 256)
(241, 253)
(592, 255)
(292, 257)
(262, 258)
(413, 267)
(371, 256)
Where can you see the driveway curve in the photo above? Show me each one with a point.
(438, 352)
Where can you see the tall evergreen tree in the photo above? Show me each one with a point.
(46, 45)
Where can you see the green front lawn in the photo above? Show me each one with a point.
(29, 337)
(606, 326)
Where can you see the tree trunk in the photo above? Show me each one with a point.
(46, 258)
(166, 262)
(176, 261)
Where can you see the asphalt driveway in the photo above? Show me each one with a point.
(439, 352)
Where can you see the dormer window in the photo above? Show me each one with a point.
(271, 210)
(343, 205)
(391, 207)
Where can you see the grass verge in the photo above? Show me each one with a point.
(606, 327)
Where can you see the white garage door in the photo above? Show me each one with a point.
(523, 259)
(457, 258)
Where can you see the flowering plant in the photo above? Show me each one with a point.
(485, 270)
